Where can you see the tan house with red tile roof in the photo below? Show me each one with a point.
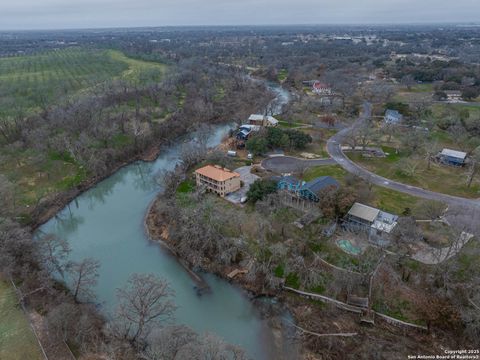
(221, 181)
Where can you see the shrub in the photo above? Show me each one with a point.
(261, 188)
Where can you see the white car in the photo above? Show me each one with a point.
(250, 156)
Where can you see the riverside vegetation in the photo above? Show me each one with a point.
(77, 105)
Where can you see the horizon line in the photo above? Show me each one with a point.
(381, 24)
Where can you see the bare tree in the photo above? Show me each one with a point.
(474, 161)
(431, 148)
(54, 252)
(432, 210)
(408, 81)
(180, 342)
(144, 303)
(83, 277)
(405, 234)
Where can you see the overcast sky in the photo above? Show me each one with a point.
(54, 14)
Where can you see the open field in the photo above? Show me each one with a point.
(440, 178)
(30, 83)
(17, 341)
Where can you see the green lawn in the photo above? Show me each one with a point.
(335, 171)
(427, 87)
(440, 178)
(186, 186)
(289, 125)
(282, 75)
(17, 341)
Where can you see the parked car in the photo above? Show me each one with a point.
(250, 156)
(231, 153)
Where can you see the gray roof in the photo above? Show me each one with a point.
(321, 183)
(454, 153)
(364, 212)
(393, 113)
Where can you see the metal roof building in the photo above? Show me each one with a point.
(364, 212)
(367, 217)
(453, 157)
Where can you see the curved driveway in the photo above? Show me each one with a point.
(289, 164)
(336, 153)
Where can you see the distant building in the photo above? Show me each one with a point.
(307, 190)
(262, 120)
(453, 95)
(214, 178)
(370, 219)
(452, 157)
(392, 117)
(320, 88)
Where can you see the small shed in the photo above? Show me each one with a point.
(453, 157)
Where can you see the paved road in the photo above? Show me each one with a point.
(336, 153)
(289, 164)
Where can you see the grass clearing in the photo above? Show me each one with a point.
(439, 178)
(289, 125)
(425, 87)
(282, 75)
(334, 171)
(186, 186)
(17, 341)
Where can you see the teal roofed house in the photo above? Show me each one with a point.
(307, 190)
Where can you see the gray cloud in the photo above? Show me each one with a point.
(49, 14)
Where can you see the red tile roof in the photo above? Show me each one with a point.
(217, 173)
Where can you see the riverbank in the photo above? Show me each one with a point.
(320, 318)
(50, 206)
(273, 305)
(157, 231)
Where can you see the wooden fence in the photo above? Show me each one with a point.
(356, 309)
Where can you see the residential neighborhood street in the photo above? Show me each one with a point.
(336, 153)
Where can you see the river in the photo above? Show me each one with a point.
(106, 223)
